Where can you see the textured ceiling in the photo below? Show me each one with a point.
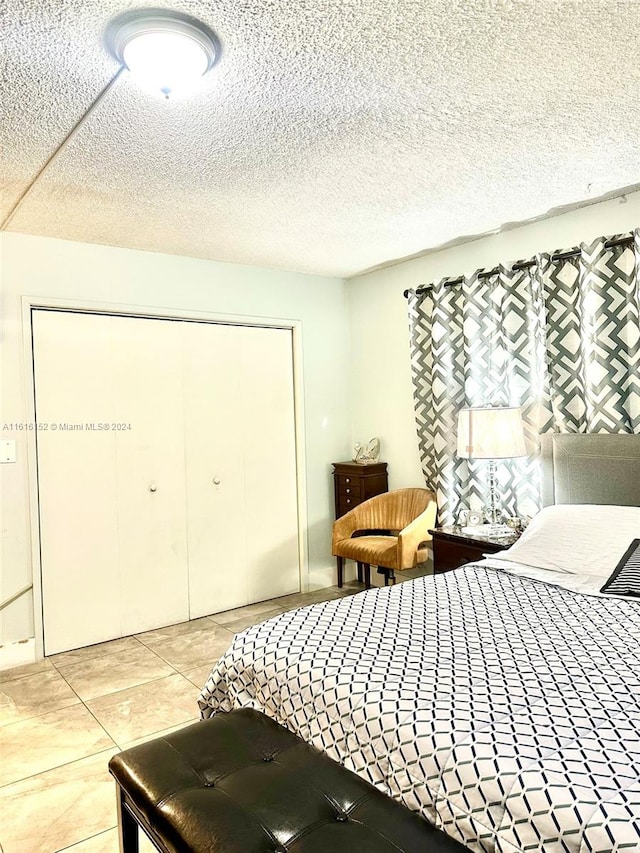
(332, 135)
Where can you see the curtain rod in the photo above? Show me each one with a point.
(522, 265)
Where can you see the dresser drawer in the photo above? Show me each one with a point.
(353, 490)
(346, 502)
(347, 480)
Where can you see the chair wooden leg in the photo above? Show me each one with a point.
(359, 572)
(367, 575)
(340, 561)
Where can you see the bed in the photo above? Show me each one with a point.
(501, 700)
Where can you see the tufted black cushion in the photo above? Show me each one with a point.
(240, 783)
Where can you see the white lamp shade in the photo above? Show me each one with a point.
(491, 433)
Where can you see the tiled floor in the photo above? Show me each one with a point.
(62, 719)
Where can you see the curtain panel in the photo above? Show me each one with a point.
(560, 338)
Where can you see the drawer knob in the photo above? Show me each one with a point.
(348, 491)
(348, 500)
(347, 480)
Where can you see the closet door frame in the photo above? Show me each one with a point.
(31, 303)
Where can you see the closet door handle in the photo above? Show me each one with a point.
(153, 487)
(216, 481)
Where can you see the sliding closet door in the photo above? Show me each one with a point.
(241, 467)
(110, 476)
(152, 533)
(77, 481)
(270, 462)
(214, 457)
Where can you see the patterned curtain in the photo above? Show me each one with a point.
(561, 338)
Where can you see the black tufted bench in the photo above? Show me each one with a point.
(240, 783)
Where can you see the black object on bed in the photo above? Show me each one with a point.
(240, 783)
(625, 579)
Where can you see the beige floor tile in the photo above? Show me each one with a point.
(263, 609)
(131, 714)
(107, 842)
(50, 740)
(250, 610)
(188, 650)
(162, 733)
(60, 807)
(304, 599)
(199, 675)
(421, 571)
(248, 621)
(114, 671)
(122, 644)
(334, 591)
(145, 845)
(172, 631)
(34, 695)
(25, 670)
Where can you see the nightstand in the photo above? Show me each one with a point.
(452, 548)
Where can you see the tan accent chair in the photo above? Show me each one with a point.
(399, 522)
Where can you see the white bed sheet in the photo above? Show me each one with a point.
(582, 583)
(504, 709)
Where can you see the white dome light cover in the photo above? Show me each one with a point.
(165, 51)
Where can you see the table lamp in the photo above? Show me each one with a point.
(491, 433)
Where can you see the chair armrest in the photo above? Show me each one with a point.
(415, 534)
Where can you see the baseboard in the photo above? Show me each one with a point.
(17, 654)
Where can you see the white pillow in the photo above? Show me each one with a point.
(576, 538)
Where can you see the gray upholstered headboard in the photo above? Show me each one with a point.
(590, 469)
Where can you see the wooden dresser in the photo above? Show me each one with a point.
(355, 483)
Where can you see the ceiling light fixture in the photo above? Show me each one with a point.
(166, 52)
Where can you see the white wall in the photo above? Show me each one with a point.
(56, 269)
(382, 401)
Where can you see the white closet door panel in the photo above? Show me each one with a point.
(76, 480)
(150, 473)
(270, 462)
(217, 516)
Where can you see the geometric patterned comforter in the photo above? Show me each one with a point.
(505, 710)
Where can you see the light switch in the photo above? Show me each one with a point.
(7, 451)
